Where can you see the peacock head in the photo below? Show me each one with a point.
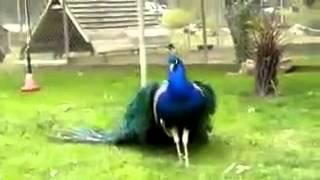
(174, 62)
(171, 48)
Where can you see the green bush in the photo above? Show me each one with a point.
(309, 3)
(176, 18)
(316, 5)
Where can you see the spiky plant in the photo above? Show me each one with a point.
(269, 49)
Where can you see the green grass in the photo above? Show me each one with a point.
(307, 60)
(280, 140)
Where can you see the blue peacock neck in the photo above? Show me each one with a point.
(179, 85)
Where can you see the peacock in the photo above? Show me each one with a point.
(176, 110)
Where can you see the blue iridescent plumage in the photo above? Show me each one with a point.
(182, 107)
(177, 110)
(182, 99)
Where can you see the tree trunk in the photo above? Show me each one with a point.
(237, 15)
(238, 38)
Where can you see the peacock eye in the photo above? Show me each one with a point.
(176, 61)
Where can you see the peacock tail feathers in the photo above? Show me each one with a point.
(138, 124)
(139, 115)
(210, 95)
(205, 125)
(133, 129)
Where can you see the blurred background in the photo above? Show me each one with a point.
(106, 31)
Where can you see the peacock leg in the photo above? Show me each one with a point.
(176, 139)
(185, 140)
(163, 125)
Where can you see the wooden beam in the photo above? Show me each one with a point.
(142, 48)
(66, 37)
(204, 31)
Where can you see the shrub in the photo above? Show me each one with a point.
(309, 3)
(176, 18)
(269, 49)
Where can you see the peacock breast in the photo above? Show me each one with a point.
(177, 107)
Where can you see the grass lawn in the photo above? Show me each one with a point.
(279, 140)
(307, 60)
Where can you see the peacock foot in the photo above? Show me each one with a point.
(186, 161)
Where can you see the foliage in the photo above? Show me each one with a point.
(296, 3)
(278, 138)
(309, 3)
(176, 18)
(2, 55)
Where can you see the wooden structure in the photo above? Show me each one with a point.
(98, 26)
(4, 42)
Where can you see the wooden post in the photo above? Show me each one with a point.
(29, 34)
(142, 48)
(30, 84)
(281, 12)
(66, 37)
(204, 31)
(218, 22)
(19, 17)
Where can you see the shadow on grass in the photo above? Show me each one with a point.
(217, 148)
